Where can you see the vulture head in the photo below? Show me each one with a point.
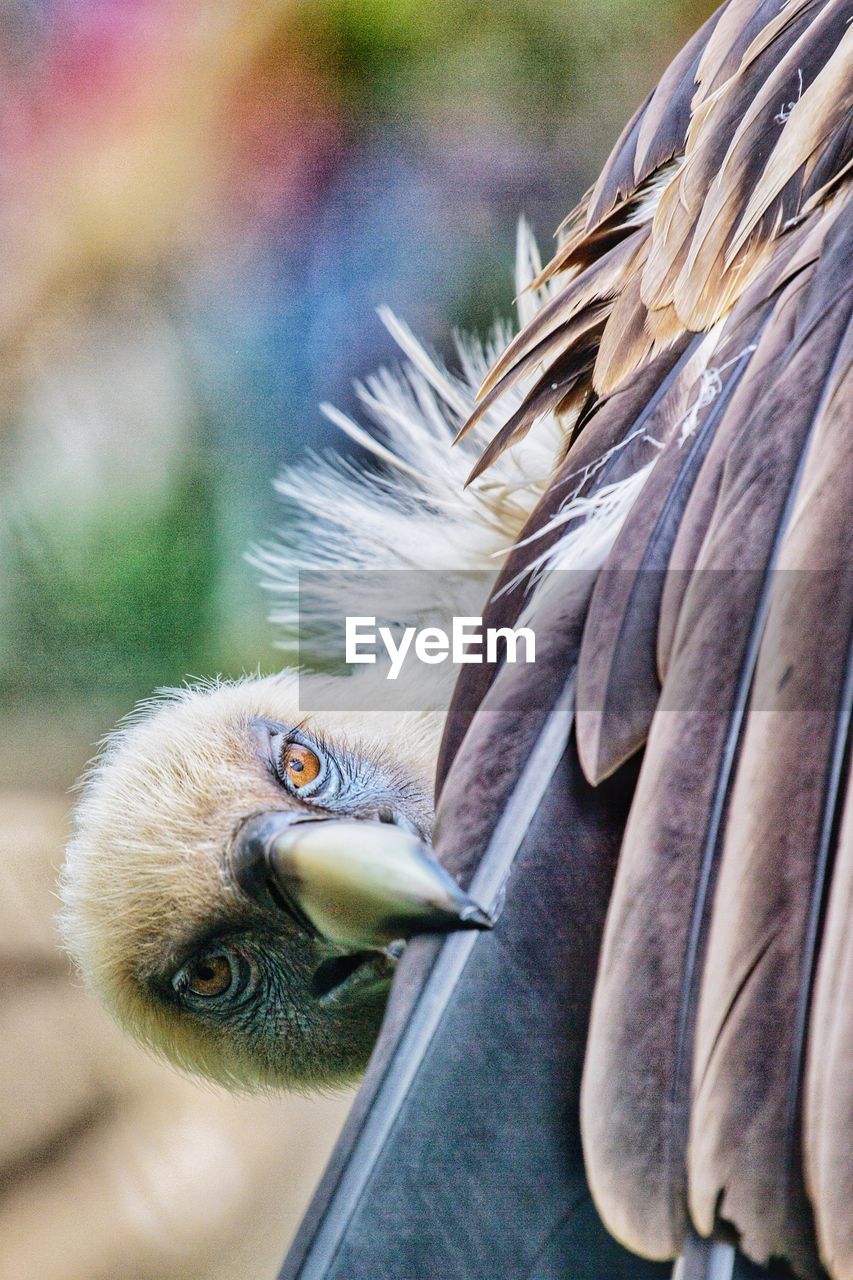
(240, 879)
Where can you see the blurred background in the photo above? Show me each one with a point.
(202, 202)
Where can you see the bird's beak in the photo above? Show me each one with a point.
(359, 884)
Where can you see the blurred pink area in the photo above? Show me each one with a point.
(135, 123)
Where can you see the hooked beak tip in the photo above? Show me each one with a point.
(475, 917)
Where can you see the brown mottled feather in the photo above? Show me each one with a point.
(828, 1104)
(625, 340)
(745, 1149)
(812, 123)
(599, 283)
(636, 1113)
(724, 211)
(715, 272)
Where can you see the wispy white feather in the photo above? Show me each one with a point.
(413, 511)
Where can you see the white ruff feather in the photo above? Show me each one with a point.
(413, 511)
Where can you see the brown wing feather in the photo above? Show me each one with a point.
(590, 461)
(740, 22)
(833, 165)
(565, 388)
(618, 684)
(745, 1149)
(599, 283)
(724, 209)
(813, 123)
(583, 248)
(828, 1109)
(625, 341)
(757, 109)
(801, 251)
(637, 1103)
(617, 177)
(718, 267)
(725, 156)
(560, 339)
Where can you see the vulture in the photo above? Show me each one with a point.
(624, 1047)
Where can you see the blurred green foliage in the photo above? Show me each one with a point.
(529, 60)
(484, 293)
(116, 605)
(403, 51)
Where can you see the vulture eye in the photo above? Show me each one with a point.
(300, 766)
(208, 976)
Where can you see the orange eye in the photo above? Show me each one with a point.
(299, 764)
(210, 975)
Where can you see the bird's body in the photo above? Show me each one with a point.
(685, 363)
(700, 348)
